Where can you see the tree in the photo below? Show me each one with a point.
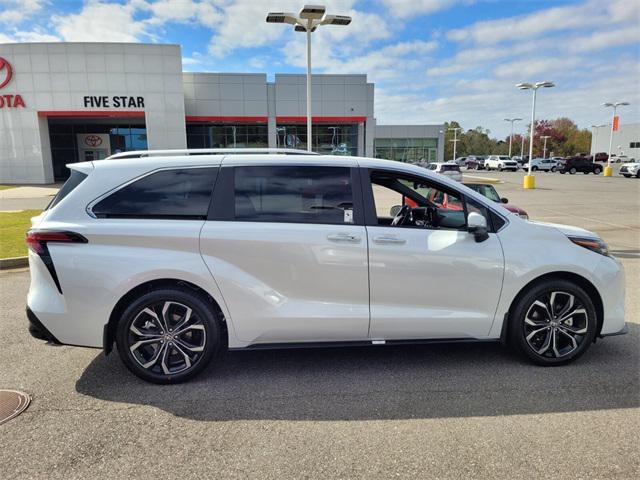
(565, 139)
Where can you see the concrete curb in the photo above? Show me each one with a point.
(14, 262)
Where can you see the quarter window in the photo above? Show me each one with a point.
(174, 194)
(293, 194)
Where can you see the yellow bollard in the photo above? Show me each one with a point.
(608, 171)
(529, 182)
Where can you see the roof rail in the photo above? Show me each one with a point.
(207, 151)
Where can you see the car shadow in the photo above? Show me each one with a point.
(373, 383)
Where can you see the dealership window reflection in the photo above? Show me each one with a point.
(124, 135)
(412, 150)
(202, 135)
(328, 139)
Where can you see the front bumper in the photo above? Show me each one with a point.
(624, 331)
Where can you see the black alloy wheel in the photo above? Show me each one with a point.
(168, 335)
(554, 323)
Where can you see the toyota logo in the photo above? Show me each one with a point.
(6, 72)
(93, 140)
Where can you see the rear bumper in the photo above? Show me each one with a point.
(38, 330)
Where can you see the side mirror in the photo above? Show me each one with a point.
(394, 210)
(477, 225)
(504, 200)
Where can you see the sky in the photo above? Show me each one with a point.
(431, 60)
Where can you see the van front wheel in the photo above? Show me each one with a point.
(553, 324)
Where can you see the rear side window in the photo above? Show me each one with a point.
(293, 194)
(75, 179)
(172, 194)
(450, 168)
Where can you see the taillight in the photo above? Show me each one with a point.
(37, 239)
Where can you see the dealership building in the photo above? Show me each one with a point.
(68, 102)
(626, 140)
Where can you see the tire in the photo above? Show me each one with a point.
(500, 169)
(553, 169)
(534, 169)
(562, 172)
(627, 176)
(597, 171)
(166, 357)
(551, 341)
(572, 171)
(638, 174)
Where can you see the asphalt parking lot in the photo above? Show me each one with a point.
(439, 411)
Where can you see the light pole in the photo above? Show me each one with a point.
(455, 140)
(544, 149)
(595, 140)
(309, 18)
(512, 120)
(529, 181)
(522, 149)
(609, 171)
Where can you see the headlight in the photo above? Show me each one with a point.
(594, 244)
(523, 216)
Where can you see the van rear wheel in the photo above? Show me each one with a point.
(554, 323)
(168, 335)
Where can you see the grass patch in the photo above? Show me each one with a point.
(13, 226)
(7, 187)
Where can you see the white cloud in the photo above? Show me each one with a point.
(605, 39)
(531, 25)
(205, 13)
(22, 36)
(530, 67)
(412, 8)
(100, 22)
(244, 26)
(16, 11)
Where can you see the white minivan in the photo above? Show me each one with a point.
(173, 256)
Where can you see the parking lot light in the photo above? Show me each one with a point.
(608, 171)
(544, 149)
(308, 20)
(595, 140)
(455, 140)
(512, 120)
(529, 181)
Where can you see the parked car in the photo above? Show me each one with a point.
(174, 257)
(579, 164)
(460, 161)
(448, 169)
(489, 191)
(620, 159)
(600, 157)
(500, 162)
(451, 202)
(544, 164)
(631, 169)
(475, 162)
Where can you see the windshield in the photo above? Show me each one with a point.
(486, 191)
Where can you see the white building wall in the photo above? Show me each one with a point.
(627, 135)
(58, 76)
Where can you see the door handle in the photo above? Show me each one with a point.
(343, 237)
(389, 239)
